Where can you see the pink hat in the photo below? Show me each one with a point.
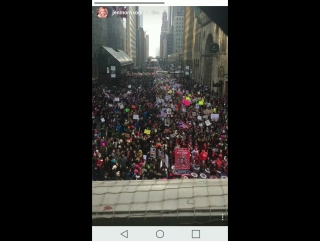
(136, 166)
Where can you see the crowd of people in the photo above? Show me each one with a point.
(138, 124)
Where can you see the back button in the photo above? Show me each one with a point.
(125, 234)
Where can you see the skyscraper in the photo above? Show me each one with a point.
(141, 21)
(173, 12)
(163, 35)
(178, 34)
(141, 44)
(169, 44)
(176, 30)
(131, 27)
(147, 46)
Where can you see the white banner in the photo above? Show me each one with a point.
(215, 117)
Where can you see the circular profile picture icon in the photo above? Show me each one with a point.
(102, 12)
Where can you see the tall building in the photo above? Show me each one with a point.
(99, 30)
(115, 32)
(169, 17)
(188, 39)
(170, 43)
(138, 52)
(147, 46)
(178, 34)
(173, 12)
(106, 32)
(164, 32)
(174, 38)
(141, 42)
(138, 17)
(164, 45)
(131, 27)
(142, 46)
(141, 21)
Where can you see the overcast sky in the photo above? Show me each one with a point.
(152, 20)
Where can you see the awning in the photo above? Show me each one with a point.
(118, 54)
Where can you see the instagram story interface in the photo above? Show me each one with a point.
(159, 116)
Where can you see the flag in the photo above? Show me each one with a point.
(183, 125)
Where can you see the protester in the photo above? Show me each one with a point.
(137, 127)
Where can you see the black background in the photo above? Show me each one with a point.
(47, 135)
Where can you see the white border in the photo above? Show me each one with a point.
(167, 3)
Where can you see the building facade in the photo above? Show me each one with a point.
(99, 38)
(169, 43)
(188, 40)
(108, 32)
(147, 46)
(165, 49)
(131, 26)
(115, 32)
(173, 12)
(141, 44)
(141, 21)
(178, 34)
(174, 38)
(99, 30)
(210, 69)
(164, 32)
(125, 39)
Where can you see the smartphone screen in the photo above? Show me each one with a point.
(173, 183)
